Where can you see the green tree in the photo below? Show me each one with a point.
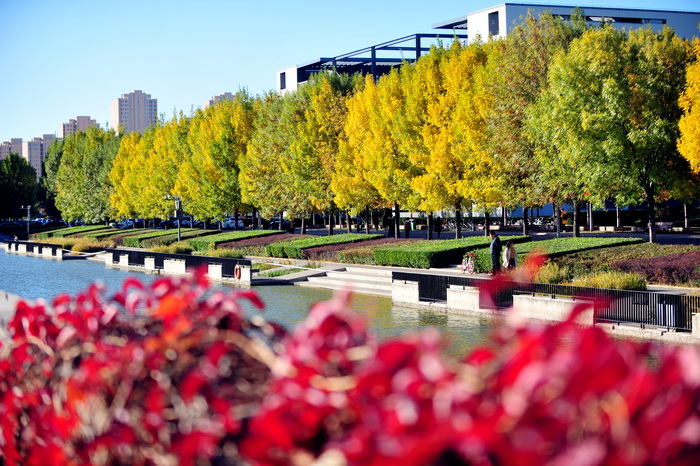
(613, 112)
(82, 183)
(18, 186)
(516, 76)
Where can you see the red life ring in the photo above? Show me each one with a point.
(237, 272)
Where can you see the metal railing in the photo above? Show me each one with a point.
(647, 309)
(138, 258)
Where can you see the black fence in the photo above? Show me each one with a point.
(36, 248)
(644, 308)
(138, 258)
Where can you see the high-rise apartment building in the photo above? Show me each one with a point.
(217, 99)
(133, 112)
(33, 151)
(5, 149)
(80, 123)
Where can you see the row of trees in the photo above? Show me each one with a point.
(556, 112)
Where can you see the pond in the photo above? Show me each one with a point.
(34, 277)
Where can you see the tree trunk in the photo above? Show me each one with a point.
(368, 219)
(590, 216)
(686, 220)
(649, 191)
(577, 210)
(458, 221)
(280, 222)
(618, 217)
(505, 216)
(430, 225)
(526, 226)
(487, 224)
(303, 225)
(348, 221)
(397, 220)
(331, 223)
(557, 218)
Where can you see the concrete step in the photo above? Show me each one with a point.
(359, 280)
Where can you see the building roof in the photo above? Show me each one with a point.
(377, 59)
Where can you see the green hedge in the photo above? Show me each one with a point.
(210, 242)
(164, 240)
(553, 248)
(294, 248)
(135, 241)
(63, 232)
(101, 235)
(427, 254)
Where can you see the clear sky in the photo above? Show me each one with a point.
(62, 59)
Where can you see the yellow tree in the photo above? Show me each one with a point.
(379, 143)
(481, 169)
(689, 124)
(349, 179)
(218, 138)
(123, 173)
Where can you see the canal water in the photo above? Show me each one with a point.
(34, 277)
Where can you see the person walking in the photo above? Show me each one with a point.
(407, 228)
(495, 250)
(509, 256)
(438, 226)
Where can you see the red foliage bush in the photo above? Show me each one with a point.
(675, 269)
(186, 378)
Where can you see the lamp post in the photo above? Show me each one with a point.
(29, 208)
(178, 211)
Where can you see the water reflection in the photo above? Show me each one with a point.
(33, 277)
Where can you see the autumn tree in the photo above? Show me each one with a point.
(218, 138)
(689, 124)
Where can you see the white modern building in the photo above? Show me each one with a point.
(499, 20)
(217, 99)
(493, 22)
(133, 112)
(80, 123)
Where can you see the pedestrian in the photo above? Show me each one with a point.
(509, 256)
(438, 226)
(495, 250)
(407, 228)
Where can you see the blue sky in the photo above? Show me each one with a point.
(63, 59)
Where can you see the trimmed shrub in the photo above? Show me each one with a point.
(675, 269)
(427, 254)
(612, 281)
(334, 252)
(293, 249)
(221, 252)
(176, 248)
(68, 231)
(212, 241)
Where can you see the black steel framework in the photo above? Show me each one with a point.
(374, 60)
(646, 309)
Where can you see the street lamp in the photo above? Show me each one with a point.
(29, 208)
(178, 211)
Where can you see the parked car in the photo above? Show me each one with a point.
(231, 223)
(275, 224)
